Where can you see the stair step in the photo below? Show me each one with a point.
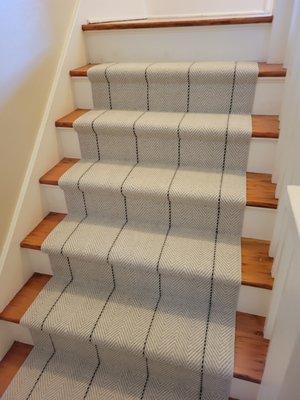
(13, 361)
(17, 307)
(260, 189)
(263, 126)
(256, 264)
(250, 346)
(265, 70)
(177, 22)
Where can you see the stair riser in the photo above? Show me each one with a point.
(267, 101)
(261, 155)
(252, 300)
(258, 222)
(207, 43)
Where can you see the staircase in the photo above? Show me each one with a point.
(133, 41)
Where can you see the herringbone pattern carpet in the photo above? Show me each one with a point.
(147, 263)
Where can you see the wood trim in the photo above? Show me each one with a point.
(265, 70)
(249, 361)
(260, 189)
(263, 126)
(256, 264)
(178, 22)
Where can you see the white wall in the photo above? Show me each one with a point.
(194, 7)
(31, 37)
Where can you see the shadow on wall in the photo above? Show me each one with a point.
(32, 35)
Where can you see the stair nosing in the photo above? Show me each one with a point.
(265, 70)
(18, 298)
(149, 23)
(22, 351)
(53, 175)
(36, 237)
(68, 120)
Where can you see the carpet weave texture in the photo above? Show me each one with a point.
(147, 263)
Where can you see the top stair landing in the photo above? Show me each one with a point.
(178, 22)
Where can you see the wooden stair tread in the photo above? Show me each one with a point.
(12, 362)
(18, 353)
(263, 126)
(177, 22)
(260, 189)
(17, 307)
(250, 346)
(265, 70)
(256, 264)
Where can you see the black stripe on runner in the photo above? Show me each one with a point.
(108, 254)
(43, 370)
(108, 84)
(189, 88)
(159, 258)
(147, 83)
(216, 236)
(96, 135)
(66, 240)
(94, 373)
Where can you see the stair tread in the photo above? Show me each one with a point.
(260, 189)
(250, 346)
(263, 126)
(177, 22)
(256, 264)
(12, 362)
(17, 307)
(265, 70)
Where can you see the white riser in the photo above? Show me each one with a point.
(207, 43)
(267, 101)
(252, 300)
(241, 389)
(258, 222)
(261, 154)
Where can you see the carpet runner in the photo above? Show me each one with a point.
(147, 263)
